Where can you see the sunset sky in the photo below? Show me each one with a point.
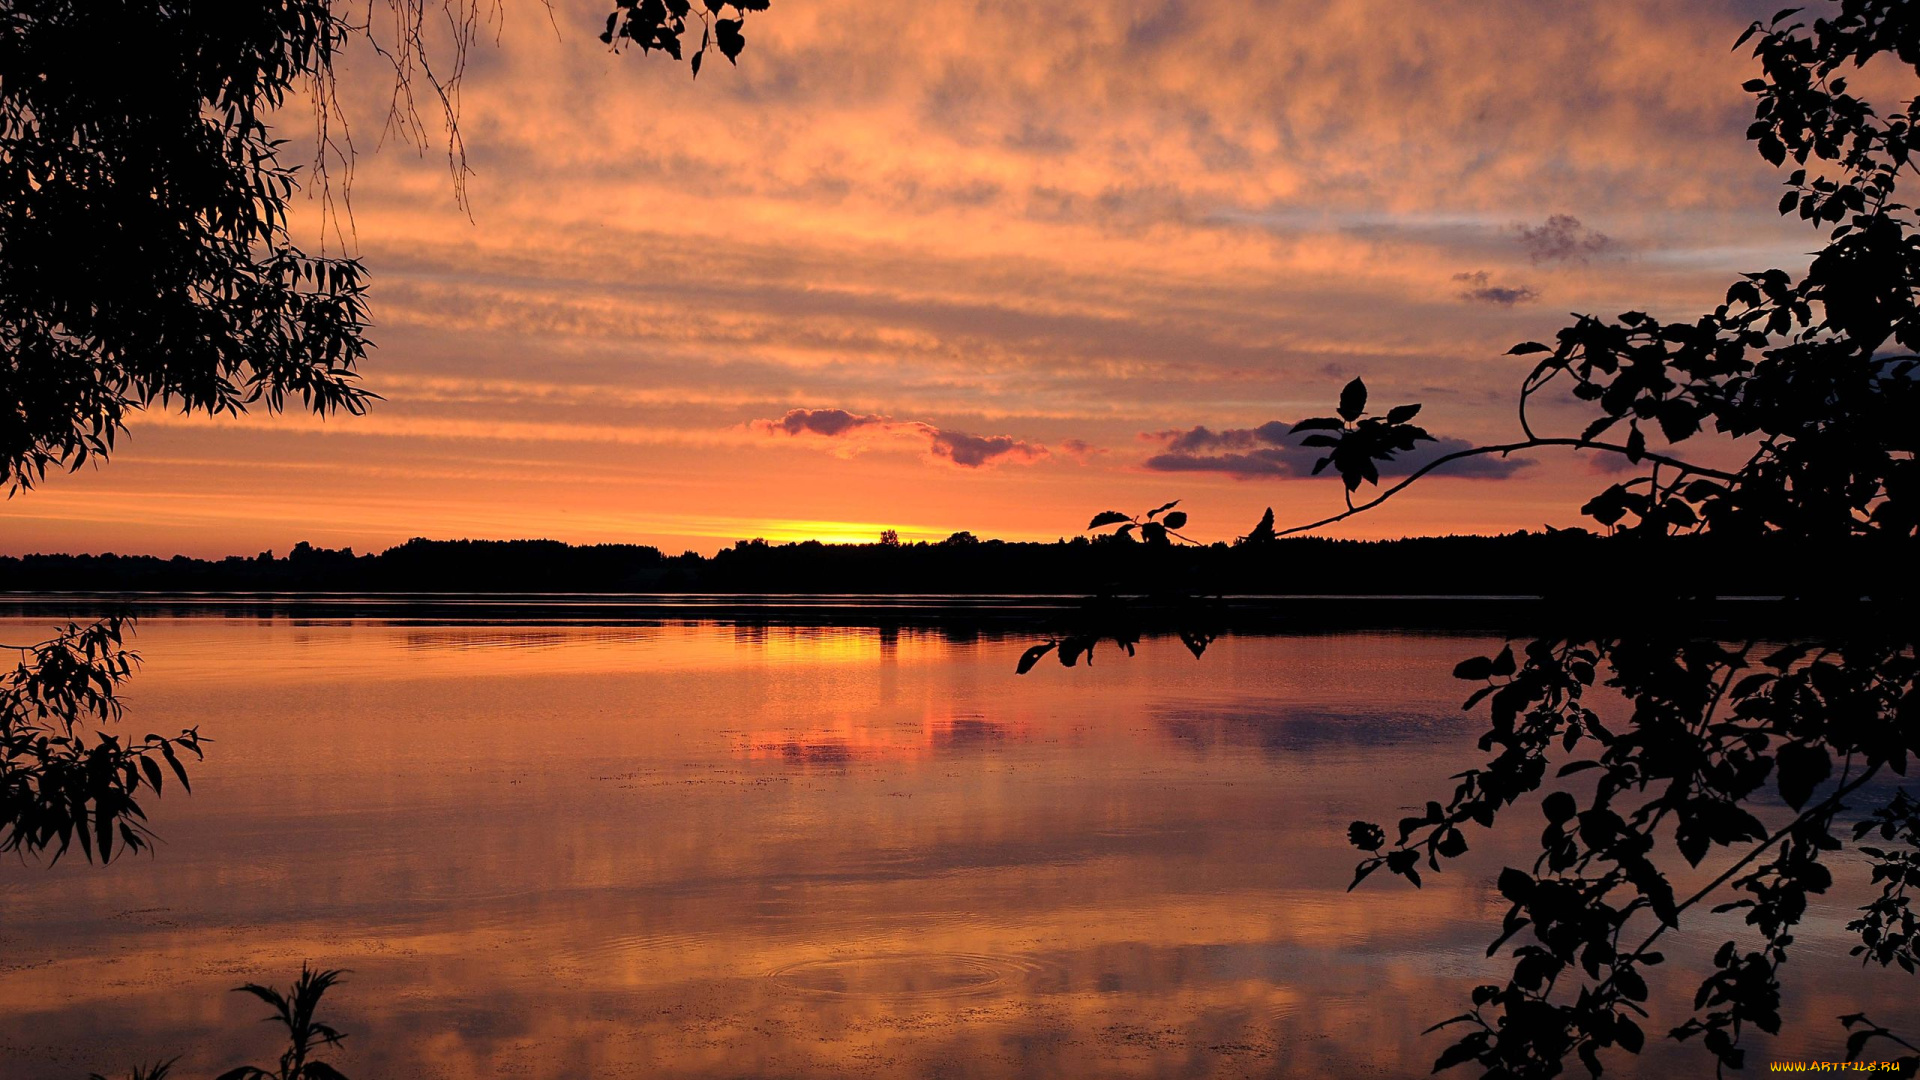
(977, 265)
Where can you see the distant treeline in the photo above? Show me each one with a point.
(1572, 563)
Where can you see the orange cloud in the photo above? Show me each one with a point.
(1039, 230)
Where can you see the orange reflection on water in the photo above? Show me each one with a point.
(700, 850)
(848, 739)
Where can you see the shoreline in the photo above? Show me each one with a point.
(1019, 612)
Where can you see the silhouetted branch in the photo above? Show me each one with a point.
(1826, 806)
(1503, 449)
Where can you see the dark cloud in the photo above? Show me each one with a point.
(1481, 290)
(973, 451)
(1081, 450)
(1268, 450)
(1038, 138)
(960, 447)
(1201, 437)
(972, 193)
(1159, 27)
(1563, 239)
(1116, 206)
(827, 422)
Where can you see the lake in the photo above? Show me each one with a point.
(715, 850)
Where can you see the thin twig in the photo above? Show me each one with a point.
(1504, 449)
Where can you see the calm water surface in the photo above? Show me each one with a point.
(723, 851)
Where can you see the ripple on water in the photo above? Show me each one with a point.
(906, 975)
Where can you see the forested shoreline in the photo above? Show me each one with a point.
(1559, 563)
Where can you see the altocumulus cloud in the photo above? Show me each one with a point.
(963, 448)
(828, 422)
(1081, 450)
(1481, 289)
(1562, 239)
(1268, 450)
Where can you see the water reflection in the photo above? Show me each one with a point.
(688, 850)
(848, 740)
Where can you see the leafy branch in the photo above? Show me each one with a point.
(1159, 533)
(64, 779)
(662, 24)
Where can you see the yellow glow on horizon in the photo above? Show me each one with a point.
(839, 532)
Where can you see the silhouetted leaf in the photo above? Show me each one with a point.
(1071, 649)
(1361, 872)
(1475, 668)
(1107, 517)
(1801, 768)
(1784, 658)
(1366, 836)
(1457, 1054)
(726, 34)
(1032, 656)
(265, 993)
(1353, 400)
(1318, 423)
(1516, 885)
(1693, 841)
(173, 761)
(1856, 1043)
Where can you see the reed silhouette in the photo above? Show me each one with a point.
(297, 1010)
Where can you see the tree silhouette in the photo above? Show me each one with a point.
(144, 204)
(1813, 381)
(145, 260)
(144, 225)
